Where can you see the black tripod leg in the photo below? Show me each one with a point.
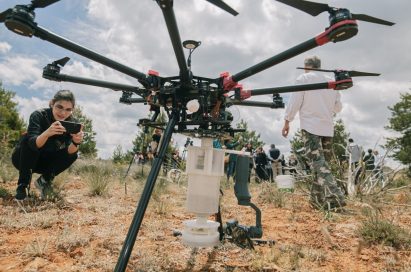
(145, 197)
(129, 166)
(219, 219)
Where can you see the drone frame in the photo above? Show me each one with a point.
(173, 93)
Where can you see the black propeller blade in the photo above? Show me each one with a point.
(34, 4)
(221, 4)
(309, 7)
(42, 3)
(350, 73)
(370, 19)
(4, 14)
(62, 61)
(314, 9)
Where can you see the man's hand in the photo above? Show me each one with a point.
(286, 128)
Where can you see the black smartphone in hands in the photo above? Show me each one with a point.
(71, 127)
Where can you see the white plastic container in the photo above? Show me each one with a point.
(203, 194)
(285, 182)
(205, 161)
(200, 233)
(205, 167)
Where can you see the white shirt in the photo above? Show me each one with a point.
(316, 108)
(355, 151)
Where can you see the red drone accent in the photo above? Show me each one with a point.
(323, 37)
(244, 94)
(153, 73)
(334, 84)
(228, 82)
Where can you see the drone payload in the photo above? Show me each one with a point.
(209, 115)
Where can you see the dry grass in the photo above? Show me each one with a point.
(87, 234)
(377, 230)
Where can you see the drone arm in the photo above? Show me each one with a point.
(69, 45)
(252, 104)
(335, 33)
(94, 82)
(292, 52)
(168, 13)
(294, 88)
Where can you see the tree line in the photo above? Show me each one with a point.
(12, 126)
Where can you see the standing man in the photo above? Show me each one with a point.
(274, 157)
(355, 152)
(316, 110)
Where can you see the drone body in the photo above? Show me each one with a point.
(176, 93)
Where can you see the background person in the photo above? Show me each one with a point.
(261, 162)
(316, 110)
(46, 148)
(155, 141)
(355, 152)
(248, 147)
(369, 160)
(275, 158)
(232, 160)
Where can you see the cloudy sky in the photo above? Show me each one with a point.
(134, 33)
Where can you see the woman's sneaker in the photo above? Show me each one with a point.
(44, 186)
(22, 192)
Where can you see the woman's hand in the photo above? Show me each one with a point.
(78, 137)
(55, 129)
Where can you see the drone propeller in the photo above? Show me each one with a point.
(42, 3)
(221, 4)
(62, 61)
(4, 14)
(314, 9)
(350, 73)
(34, 4)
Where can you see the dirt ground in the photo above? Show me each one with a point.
(86, 233)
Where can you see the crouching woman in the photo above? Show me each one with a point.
(46, 148)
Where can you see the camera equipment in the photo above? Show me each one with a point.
(172, 93)
(71, 127)
(188, 142)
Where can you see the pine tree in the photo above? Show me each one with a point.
(400, 121)
(88, 147)
(248, 136)
(11, 125)
(340, 140)
(118, 155)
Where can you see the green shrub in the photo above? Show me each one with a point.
(270, 194)
(376, 230)
(4, 193)
(98, 179)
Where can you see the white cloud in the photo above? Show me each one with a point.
(19, 70)
(134, 33)
(4, 47)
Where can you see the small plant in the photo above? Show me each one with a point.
(98, 180)
(69, 240)
(376, 230)
(4, 193)
(37, 248)
(160, 188)
(270, 194)
(7, 172)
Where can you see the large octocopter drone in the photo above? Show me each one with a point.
(194, 104)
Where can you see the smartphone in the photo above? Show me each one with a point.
(71, 127)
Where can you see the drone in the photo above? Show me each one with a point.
(195, 105)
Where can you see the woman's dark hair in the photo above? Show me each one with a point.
(63, 95)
